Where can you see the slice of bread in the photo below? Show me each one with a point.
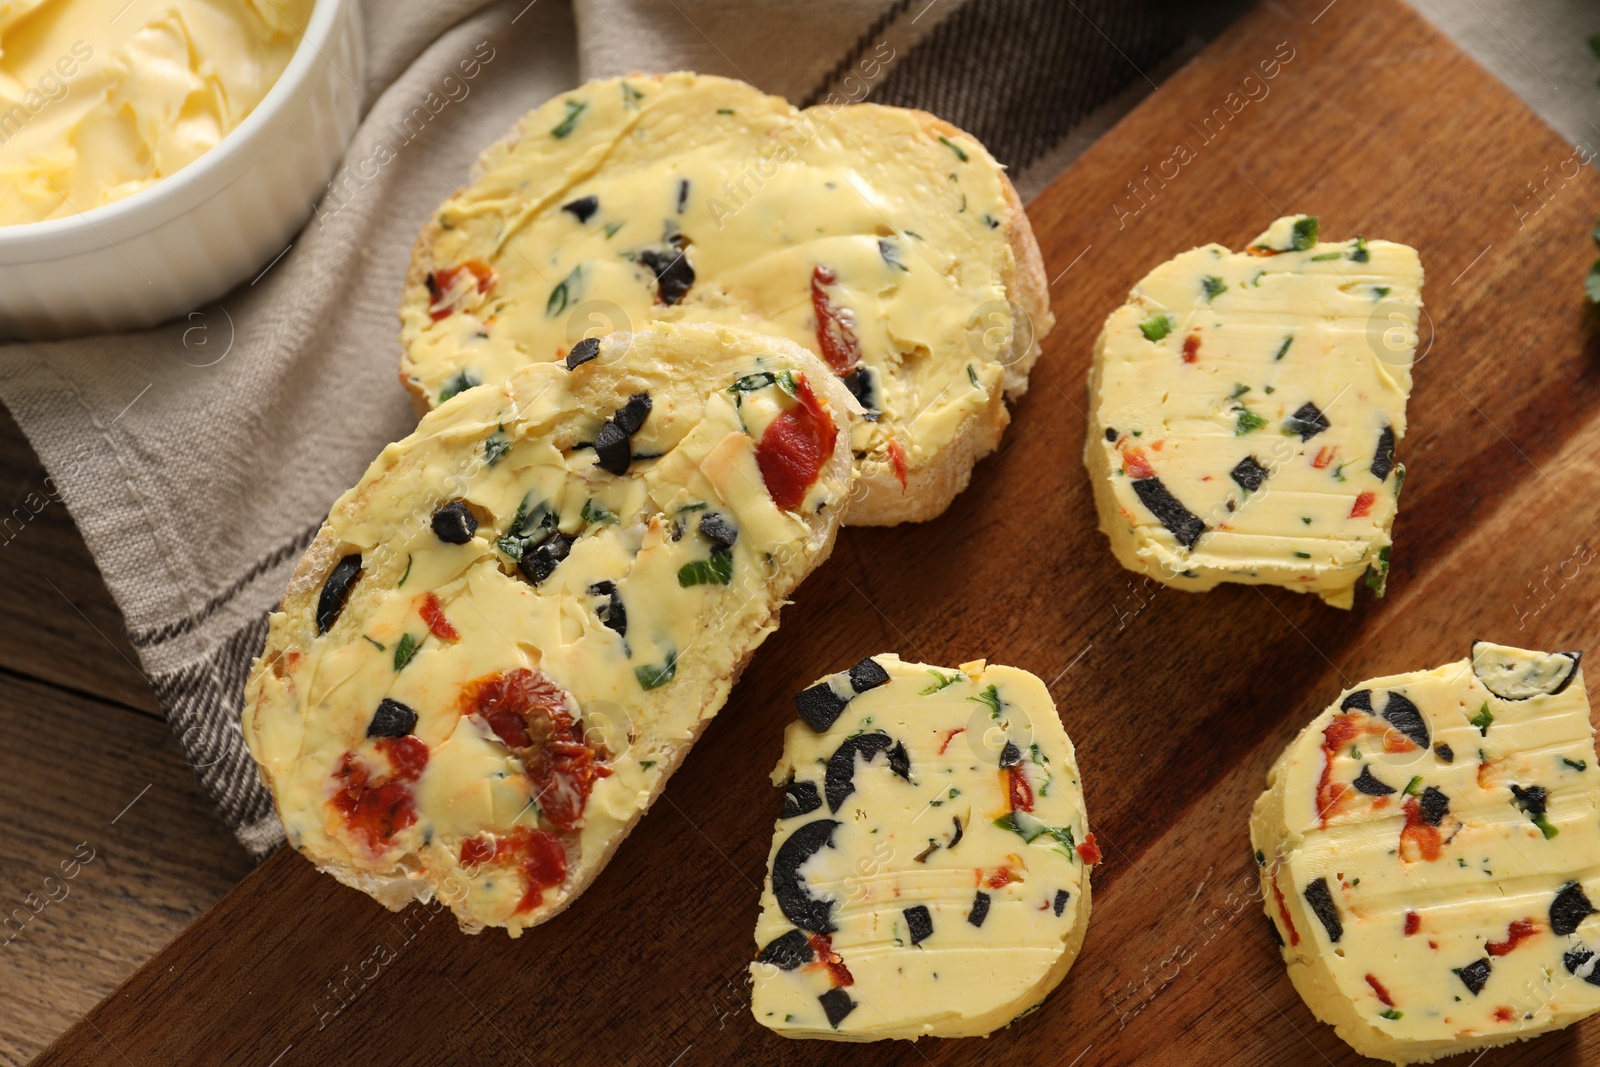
(885, 240)
(505, 639)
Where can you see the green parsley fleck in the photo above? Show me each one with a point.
(1248, 422)
(612, 228)
(593, 511)
(460, 381)
(495, 446)
(1306, 519)
(1483, 719)
(718, 570)
(1305, 233)
(1212, 286)
(647, 763)
(654, 677)
(1392, 1013)
(630, 96)
(1283, 349)
(1379, 292)
(404, 650)
(1359, 253)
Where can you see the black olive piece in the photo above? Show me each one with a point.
(1383, 461)
(956, 840)
(454, 523)
(867, 675)
(836, 1004)
(718, 530)
(1434, 805)
(800, 798)
(1111, 435)
(819, 706)
(980, 909)
(583, 208)
(1533, 800)
(919, 923)
(392, 719)
(612, 614)
(1184, 524)
(1404, 716)
(583, 352)
(1323, 907)
(1360, 700)
(788, 952)
(538, 564)
(1307, 421)
(674, 275)
(1062, 896)
(1370, 785)
(1010, 755)
(1474, 975)
(630, 416)
(336, 590)
(612, 451)
(1249, 473)
(859, 382)
(794, 897)
(1570, 907)
(1277, 938)
(1445, 752)
(1575, 961)
(840, 780)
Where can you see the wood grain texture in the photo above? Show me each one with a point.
(61, 624)
(109, 850)
(1177, 703)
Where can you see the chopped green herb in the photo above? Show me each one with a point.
(1239, 389)
(1338, 472)
(1036, 754)
(1156, 327)
(1305, 233)
(972, 374)
(718, 570)
(407, 574)
(565, 292)
(1544, 826)
(1248, 422)
(1393, 1013)
(630, 96)
(1302, 555)
(612, 228)
(1306, 519)
(1325, 257)
(458, 382)
(375, 644)
(1283, 349)
(724, 110)
(1378, 573)
(495, 446)
(593, 511)
(1269, 389)
(991, 697)
(1576, 764)
(1483, 719)
(1413, 787)
(940, 681)
(760, 380)
(960, 152)
(654, 677)
(647, 763)
(404, 649)
(1399, 478)
(1359, 253)
(574, 109)
(1379, 292)
(1212, 286)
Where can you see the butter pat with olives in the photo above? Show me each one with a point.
(1245, 410)
(1429, 855)
(929, 872)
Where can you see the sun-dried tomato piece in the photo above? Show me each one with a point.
(897, 460)
(446, 287)
(433, 614)
(1089, 851)
(835, 334)
(794, 448)
(1363, 505)
(1019, 791)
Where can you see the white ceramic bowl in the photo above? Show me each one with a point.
(194, 235)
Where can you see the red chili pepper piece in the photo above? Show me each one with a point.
(897, 460)
(1325, 456)
(838, 974)
(1383, 994)
(1504, 1015)
(794, 447)
(1134, 463)
(1426, 839)
(1089, 852)
(1520, 931)
(1340, 732)
(1002, 878)
(1191, 348)
(443, 285)
(1413, 923)
(1021, 792)
(1363, 505)
(949, 735)
(1283, 913)
(835, 337)
(432, 614)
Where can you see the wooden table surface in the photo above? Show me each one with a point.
(1177, 703)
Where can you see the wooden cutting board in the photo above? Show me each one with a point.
(1177, 702)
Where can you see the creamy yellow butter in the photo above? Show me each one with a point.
(929, 874)
(891, 234)
(1429, 851)
(102, 98)
(1245, 408)
(636, 594)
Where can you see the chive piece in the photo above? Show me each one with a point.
(1379, 292)
(940, 681)
(1302, 555)
(630, 96)
(1393, 1013)
(957, 149)
(972, 374)
(1156, 327)
(574, 109)
(375, 644)
(1411, 789)
(565, 292)
(1544, 826)
(407, 574)
(1576, 764)
(1325, 257)
(1212, 286)
(1483, 719)
(1306, 519)
(1283, 349)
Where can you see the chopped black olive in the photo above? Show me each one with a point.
(1576, 961)
(867, 675)
(1361, 700)
(540, 563)
(1404, 716)
(919, 923)
(336, 590)
(800, 798)
(1570, 907)
(794, 897)
(630, 416)
(819, 706)
(583, 208)
(1277, 938)
(836, 1004)
(1474, 975)
(392, 719)
(1010, 755)
(1323, 907)
(718, 530)
(1383, 462)
(840, 781)
(454, 523)
(1062, 896)
(980, 909)
(611, 613)
(1533, 800)
(1369, 785)
(1445, 752)
(859, 382)
(683, 194)
(788, 952)
(1184, 524)
(1249, 474)
(1307, 421)
(674, 275)
(612, 450)
(956, 840)
(1434, 805)
(1111, 435)
(583, 352)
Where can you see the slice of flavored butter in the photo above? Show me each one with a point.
(1245, 409)
(929, 872)
(1429, 852)
(507, 636)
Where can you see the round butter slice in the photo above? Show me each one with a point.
(1245, 407)
(506, 637)
(884, 240)
(1430, 858)
(929, 874)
